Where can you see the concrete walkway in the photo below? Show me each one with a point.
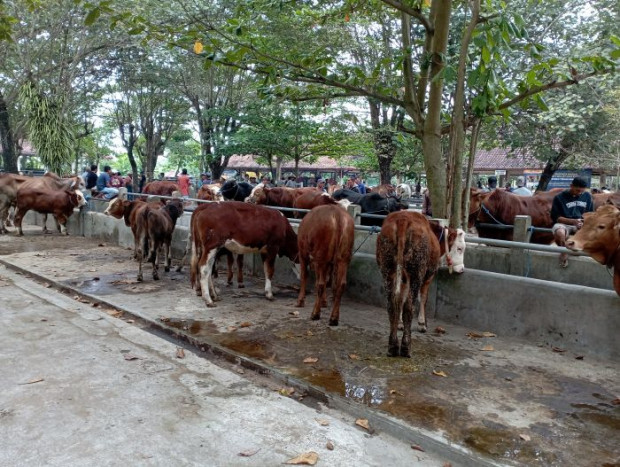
(467, 396)
(82, 388)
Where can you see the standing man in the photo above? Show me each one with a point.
(361, 186)
(184, 183)
(91, 177)
(521, 189)
(567, 213)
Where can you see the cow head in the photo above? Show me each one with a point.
(476, 198)
(600, 234)
(116, 208)
(81, 200)
(394, 203)
(258, 195)
(456, 252)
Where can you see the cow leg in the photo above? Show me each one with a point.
(339, 282)
(301, 297)
(407, 316)
(422, 304)
(19, 215)
(45, 231)
(230, 260)
(57, 224)
(167, 256)
(4, 216)
(328, 278)
(320, 285)
(140, 277)
(188, 248)
(61, 221)
(394, 317)
(155, 260)
(240, 283)
(268, 268)
(206, 277)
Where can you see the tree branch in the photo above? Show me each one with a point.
(414, 12)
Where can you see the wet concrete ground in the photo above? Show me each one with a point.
(507, 400)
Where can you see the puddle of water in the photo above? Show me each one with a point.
(192, 327)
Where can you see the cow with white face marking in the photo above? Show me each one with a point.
(240, 228)
(409, 250)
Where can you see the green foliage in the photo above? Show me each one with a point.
(49, 130)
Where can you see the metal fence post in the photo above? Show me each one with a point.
(519, 258)
(355, 210)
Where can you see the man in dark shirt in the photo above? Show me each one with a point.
(567, 213)
(91, 177)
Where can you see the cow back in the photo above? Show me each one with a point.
(160, 188)
(326, 235)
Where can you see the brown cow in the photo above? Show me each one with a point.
(129, 211)
(240, 228)
(210, 192)
(600, 238)
(60, 203)
(160, 188)
(280, 196)
(500, 208)
(312, 199)
(325, 240)
(409, 249)
(386, 190)
(600, 199)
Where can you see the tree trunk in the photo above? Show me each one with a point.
(9, 157)
(550, 167)
(386, 151)
(473, 145)
(431, 135)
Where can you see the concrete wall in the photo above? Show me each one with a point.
(573, 308)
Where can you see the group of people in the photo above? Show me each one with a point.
(107, 183)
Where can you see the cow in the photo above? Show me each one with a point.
(409, 248)
(60, 203)
(500, 208)
(129, 212)
(600, 199)
(235, 191)
(372, 203)
(600, 238)
(310, 200)
(404, 191)
(160, 188)
(386, 189)
(325, 240)
(210, 192)
(280, 196)
(240, 228)
(10, 183)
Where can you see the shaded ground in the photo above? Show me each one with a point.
(506, 399)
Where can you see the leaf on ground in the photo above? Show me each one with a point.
(579, 357)
(180, 352)
(488, 334)
(114, 313)
(92, 270)
(525, 437)
(394, 391)
(307, 458)
(131, 321)
(322, 421)
(129, 356)
(231, 328)
(311, 360)
(439, 373)
(330, 445)
(249, 452)
(440, 330)
(245, 324)
(164, 319)
(478, 335)
(363, 422)
(616, 401)
(294, 313)
(309, 333)
(35, 380)
(417, 448)
(352, 356)
(47, 286)
(558, 349)
(487, 348)
(286, 391)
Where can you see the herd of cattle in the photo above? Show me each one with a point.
(409, 246)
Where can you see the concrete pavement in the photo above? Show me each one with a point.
(80, 387)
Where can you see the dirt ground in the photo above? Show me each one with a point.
(504, 399)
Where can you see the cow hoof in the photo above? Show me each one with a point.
(421, 328)
(211, 305)
(405, 352)
(179, 268)
(314, 317)
(241, 286)
(229, 284)
(333, 322)
(301, 304)
(199, 293)
(139, 278)
(155, 278)
(167, 269)
(393, 352)
(269, 297)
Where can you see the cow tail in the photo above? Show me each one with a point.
(150, 234)
(194, 270)
(145, 234)
(401, 279)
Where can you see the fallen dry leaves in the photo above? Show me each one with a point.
(311, 360)
(352, 356)
(487, 348)
(330, 445)
(558, 349)
(307, 458)
(286, 391)
(129, 356)
(35, 380)
(231, 328)
(479, 335)
(249, 452)
(440, 373)
(417, 448)
(245, 324)
(525, 437)
(322, 421)
(363, 423)
(440, 330)
(180, 352)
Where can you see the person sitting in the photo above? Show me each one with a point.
(521, 189)
(508, 188)
(351, 185)
(116, 180)
(567, 212)
(290, 183)
(320, 184)
(104, 188)
(492, 183)
(91, 178)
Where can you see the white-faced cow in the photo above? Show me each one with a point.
(409, 249)
(600, 238)
(325, 239)
(240, 228)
